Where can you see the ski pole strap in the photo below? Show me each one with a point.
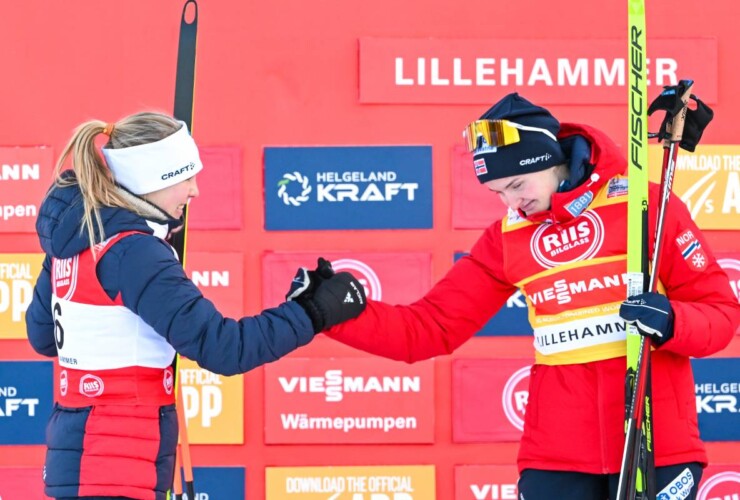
(685, 127)
(696, 121)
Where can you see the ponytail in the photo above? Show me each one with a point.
(92, 175)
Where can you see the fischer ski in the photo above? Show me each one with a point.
(682, 127)
(183, 110)
(637, 475)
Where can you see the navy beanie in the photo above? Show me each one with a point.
(535, 151)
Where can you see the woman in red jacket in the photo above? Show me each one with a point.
(563, 244)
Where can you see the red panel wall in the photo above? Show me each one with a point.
(287, 73)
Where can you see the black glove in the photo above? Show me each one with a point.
(696, 119)
(327, 298)
(652, 314)
(305, 282)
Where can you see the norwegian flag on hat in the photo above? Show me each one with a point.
(480, 166)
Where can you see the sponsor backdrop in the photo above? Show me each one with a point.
(314, 400)
(348, 188)
(396, 278)
(21, 483)
(214, 405)
(343, 140)
(720, 482)
(351, 483)
(25, 401)
(24, 178)
(730, 262)
(489, 399)
(18, 274)
(511, 319)
(562, 71)
(486, 482)
(717, 398)
(213, 483)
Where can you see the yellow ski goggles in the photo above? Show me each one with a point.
(497, 133)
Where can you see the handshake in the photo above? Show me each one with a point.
(329, 298)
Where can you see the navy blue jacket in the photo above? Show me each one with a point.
(143, 269)
(153, 284)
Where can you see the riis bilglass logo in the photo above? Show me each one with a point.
(362, 187)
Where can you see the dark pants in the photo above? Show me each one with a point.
(546, 484)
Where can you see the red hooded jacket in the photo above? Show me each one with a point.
(575, 413)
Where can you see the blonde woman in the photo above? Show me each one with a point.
(113, 305)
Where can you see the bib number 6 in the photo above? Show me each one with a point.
(58, 330)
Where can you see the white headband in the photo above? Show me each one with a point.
(150, 167)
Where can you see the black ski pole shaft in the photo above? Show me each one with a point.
(183, 110)
(184, 96)
(670, 153)
(638, 440)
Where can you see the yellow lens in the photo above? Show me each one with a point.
(471, 136)
(495, 133)
(508, 134)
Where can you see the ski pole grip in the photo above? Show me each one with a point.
(674, 128)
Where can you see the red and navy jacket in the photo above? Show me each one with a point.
(131, 308)
(569, 262)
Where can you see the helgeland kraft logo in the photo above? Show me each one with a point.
(301, 196)
(26, 399)
(347, 186)
(370, 187)
(553, 244)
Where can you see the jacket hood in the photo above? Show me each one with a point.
(602, 159)
(62, 233)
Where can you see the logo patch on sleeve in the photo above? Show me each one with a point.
(617, 187)
(692, 251)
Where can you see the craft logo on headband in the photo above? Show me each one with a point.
(157, 165)
(368, 187)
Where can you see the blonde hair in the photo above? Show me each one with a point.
(92, 175)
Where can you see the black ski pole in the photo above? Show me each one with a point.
(638, 441)
(183, 110)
